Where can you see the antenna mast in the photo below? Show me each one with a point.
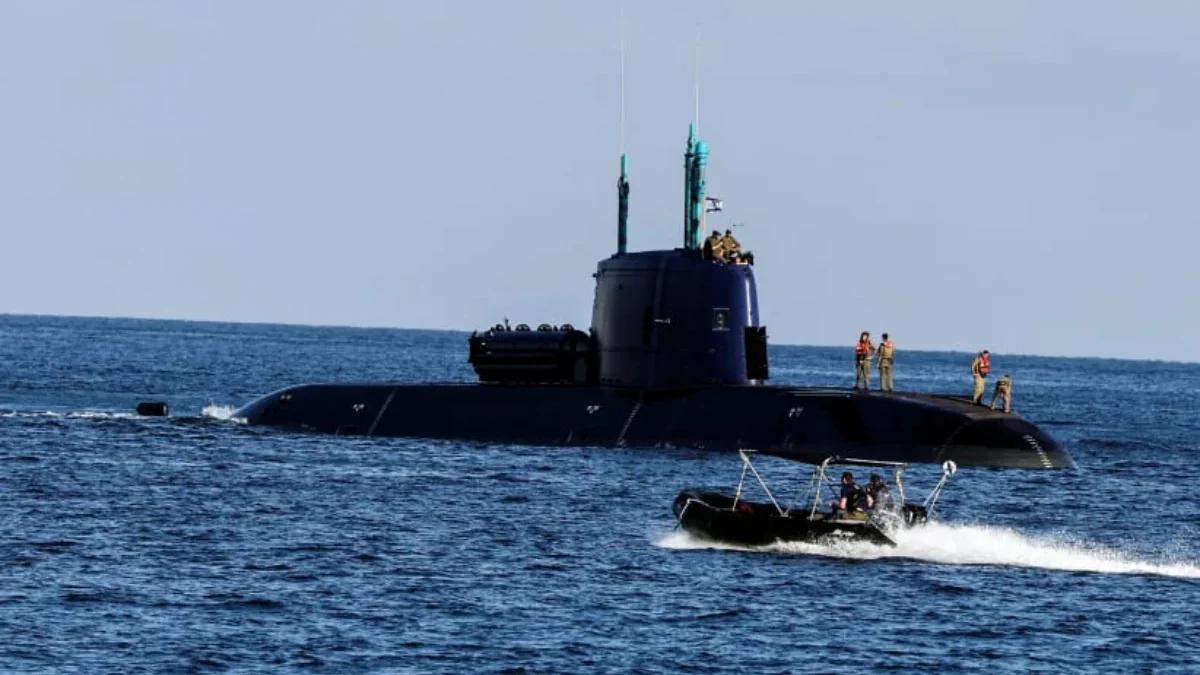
(622, 47)
(695, 162)
(696, 78)
(623, 180)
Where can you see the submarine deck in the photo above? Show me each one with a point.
(804, 423)
(957, 402)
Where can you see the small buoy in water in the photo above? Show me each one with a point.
(152, 408)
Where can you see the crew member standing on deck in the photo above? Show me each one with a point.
(887, 352)
(980, 368)
(862, 361)
(1003, 390)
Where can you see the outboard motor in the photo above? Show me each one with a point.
(559, 355)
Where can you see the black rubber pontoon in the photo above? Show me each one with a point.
(730, 519)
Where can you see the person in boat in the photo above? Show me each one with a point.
(862, 361)
(878, 495)
(714, 247)
(980, 368)
(852, 497)
(1003, 390)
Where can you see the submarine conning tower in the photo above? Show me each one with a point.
(668, 320)
(676, 320)
(662, 321)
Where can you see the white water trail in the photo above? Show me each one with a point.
(948, 544)
(211, 411)
(220, 412)
(69, 415)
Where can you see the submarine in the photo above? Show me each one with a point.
(675, 357)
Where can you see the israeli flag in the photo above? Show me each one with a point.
(714, 204)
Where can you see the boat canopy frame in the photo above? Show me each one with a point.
(820, 478)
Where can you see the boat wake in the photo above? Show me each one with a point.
(217, 412)
(223, 413)
(948, 544)
(212, 411)
(68, 415)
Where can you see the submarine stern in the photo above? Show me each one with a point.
(345, 409)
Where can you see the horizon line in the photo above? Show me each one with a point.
(468, 331)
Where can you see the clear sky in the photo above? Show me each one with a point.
(1014, 175)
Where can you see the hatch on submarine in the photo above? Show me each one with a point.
(676, 356)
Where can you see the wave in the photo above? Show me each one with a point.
(211, 411)
(220, 412)
(949, 544)
(70, 415)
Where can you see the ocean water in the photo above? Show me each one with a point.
(194, 544)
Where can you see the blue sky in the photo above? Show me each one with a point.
(1019, 175)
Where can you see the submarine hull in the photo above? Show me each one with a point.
(807, 424)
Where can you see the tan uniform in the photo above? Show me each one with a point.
(732, 247)
(887, 352)
(715, 247)
(1003, 390)
(978, 376)
(862, 367)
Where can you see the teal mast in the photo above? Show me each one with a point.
(695, 162)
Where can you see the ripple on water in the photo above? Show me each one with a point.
(196, 543)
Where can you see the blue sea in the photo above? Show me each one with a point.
(194, 543)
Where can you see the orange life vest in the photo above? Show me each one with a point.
(985, 365)
(862, 349)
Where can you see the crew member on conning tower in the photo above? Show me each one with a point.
(714, 247)
(733, 249)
